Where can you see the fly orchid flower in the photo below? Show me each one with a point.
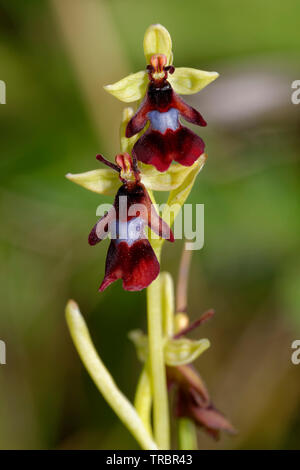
(130, 256)
(192, 399)
(166, 139)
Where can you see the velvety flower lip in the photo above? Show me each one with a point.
(137, 265)
(130, 255)
(166, 139)
(192, 398)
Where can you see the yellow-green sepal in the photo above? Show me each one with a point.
(106, 181)
(102, 181)
(177, 352)
(131, 88)
(184, 351)
(187, 81)
(157, 40)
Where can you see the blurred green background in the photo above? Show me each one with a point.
(55, 56)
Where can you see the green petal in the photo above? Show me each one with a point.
(184, 351)
(103, 181)
(157, 40)
(171, 179)
(186, 81)
(131, 88)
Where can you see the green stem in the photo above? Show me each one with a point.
(187, 434)
(157, 366)
(167, 303)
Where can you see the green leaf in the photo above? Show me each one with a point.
(103, 181)
(131, 88)
(103, 379)
(187, 81)
(157, 40)
(184, 351)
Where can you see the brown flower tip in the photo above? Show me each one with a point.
(193, 401)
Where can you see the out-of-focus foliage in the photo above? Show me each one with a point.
(248, 269)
